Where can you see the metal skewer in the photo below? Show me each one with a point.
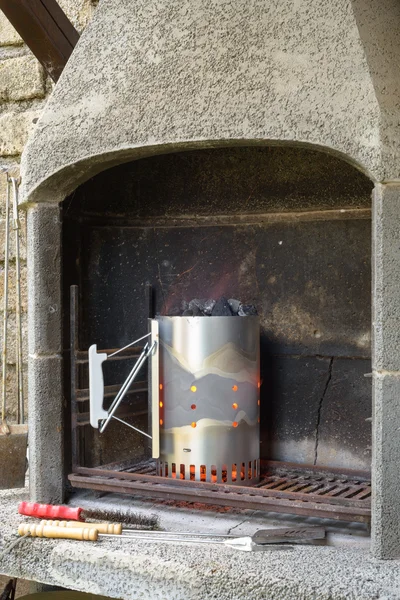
(90, 534)
(19, 366)
(117, 529)
(128, 532)
(238, 543)
(260, 537)
(5, 311)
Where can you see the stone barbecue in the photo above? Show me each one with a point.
(233, 156)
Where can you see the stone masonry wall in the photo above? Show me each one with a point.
(24, 89)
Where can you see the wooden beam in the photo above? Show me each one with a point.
(45, 29)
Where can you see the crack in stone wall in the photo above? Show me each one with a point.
(328, 380)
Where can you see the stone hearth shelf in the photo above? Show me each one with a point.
(138, 570)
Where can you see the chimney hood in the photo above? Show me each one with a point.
(149, 78)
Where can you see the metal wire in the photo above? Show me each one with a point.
(127, 533)
(125, 386)
(237, 544)
(17, 229)
(167, 538)
(5, 303)
(129, 345)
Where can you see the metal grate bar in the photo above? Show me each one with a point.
(324, 494)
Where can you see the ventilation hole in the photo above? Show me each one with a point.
(258, 420)
(192, 473)
(235, 388)
(352, 494)
(259, 384)
(193, 388)
(275, 485)
(258, 403)
(255, 472)
(365, 496)
(203, 473)
(249, 472)
(243, 472)
(213, 474)
(340, 492)
(161, 386)
(193, 407)
(182, 472)
(234, 406)
(161, 404)
(234, 472)
(161, 422)
(173, 471)
(235, 424)
(327, 490)
(194, 424)
(224, 473)
(166, 469)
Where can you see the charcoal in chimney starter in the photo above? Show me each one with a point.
(184, 305)
(221, 308)
(208, 307)
(197, 312)
(187, 313)
(234, 304)
(198, 304)
(247, 310)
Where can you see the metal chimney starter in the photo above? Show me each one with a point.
(209, 399)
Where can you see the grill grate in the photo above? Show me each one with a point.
(283, 487)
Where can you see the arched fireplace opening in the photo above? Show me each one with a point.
(286, 229)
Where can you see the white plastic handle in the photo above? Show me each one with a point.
(96, 386)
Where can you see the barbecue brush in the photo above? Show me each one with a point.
(51, 511)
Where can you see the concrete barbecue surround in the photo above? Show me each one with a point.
(294, 78)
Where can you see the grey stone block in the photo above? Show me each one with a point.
(8, 35)
(21, 78)
(385, 467)
(46, 455)
(386, 280)
(15, 128)
(44, 279)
